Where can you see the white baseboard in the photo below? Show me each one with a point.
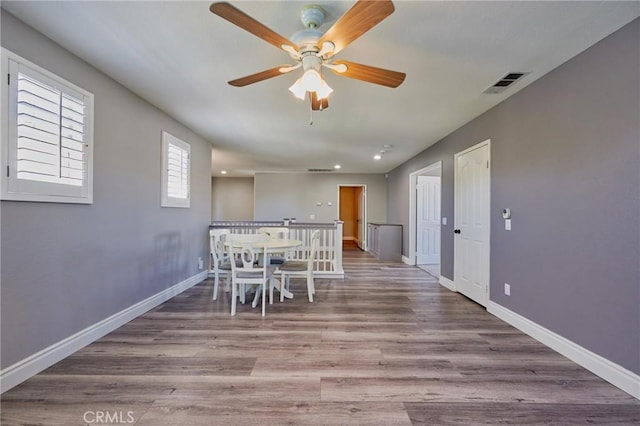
(602, 367)
(447, 283)
(408, 261)
(32, 365)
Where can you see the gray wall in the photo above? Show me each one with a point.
(231, 198)
(565, 158)
(66, 267)
(280, 195)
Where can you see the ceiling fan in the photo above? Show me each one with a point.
(312, 49)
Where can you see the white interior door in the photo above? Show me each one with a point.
(471, 243)
(428, 220)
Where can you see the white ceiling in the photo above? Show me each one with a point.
(179, 56)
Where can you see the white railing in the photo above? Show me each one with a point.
(328, 259)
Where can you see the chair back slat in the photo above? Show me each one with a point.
(216, 246)
(315, 242)
(243, 247)
(274, 232)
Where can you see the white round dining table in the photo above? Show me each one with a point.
(275, 245)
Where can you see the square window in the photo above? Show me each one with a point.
(47, 148)
(176, 172)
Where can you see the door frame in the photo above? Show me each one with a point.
(455, 221)
(410, 259)
(363, 229)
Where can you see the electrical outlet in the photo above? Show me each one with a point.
(507, 289)
(200, 264)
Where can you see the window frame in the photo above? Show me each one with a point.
(12, 188)
(166, 200)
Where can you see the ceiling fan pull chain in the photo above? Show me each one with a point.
(310, 115)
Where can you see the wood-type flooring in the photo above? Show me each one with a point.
(385, 346)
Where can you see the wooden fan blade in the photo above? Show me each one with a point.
(363, 16)
(318, 104)
(259, 76)
(371, 74)
(247, 23)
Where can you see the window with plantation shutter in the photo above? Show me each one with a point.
(47, 150)
(176, 169)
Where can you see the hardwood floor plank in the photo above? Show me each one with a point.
(153, 365)
(463, 350)
(347, 326)
(51, 413)
(388, 345)
(139, 348)
(559, 368)
(89, 389)
(147, 388)
(314, 365)
(273, 412)
(472, 389)
(373, 334)
(521, 414)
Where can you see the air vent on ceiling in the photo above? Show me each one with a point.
(319, 170)
(505, 82)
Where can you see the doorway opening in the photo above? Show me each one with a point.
(425, 218)
(352, 210)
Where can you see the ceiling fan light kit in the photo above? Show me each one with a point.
(313, 49)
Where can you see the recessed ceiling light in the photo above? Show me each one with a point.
(223, 172)
(337, 166)
(377, 157)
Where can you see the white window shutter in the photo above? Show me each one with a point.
(49, 139)
(176, 169)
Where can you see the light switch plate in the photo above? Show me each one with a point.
(507, 224)
(444, 220)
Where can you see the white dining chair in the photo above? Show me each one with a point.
(246, 271)
(218, 258)
(275, 232)
(301, 268)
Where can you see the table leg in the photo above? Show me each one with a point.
(256, 298)
(276, 284)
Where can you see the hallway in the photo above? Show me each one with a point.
(388, 345)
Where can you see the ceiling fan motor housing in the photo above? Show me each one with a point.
(307, 39)
(312, 17)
